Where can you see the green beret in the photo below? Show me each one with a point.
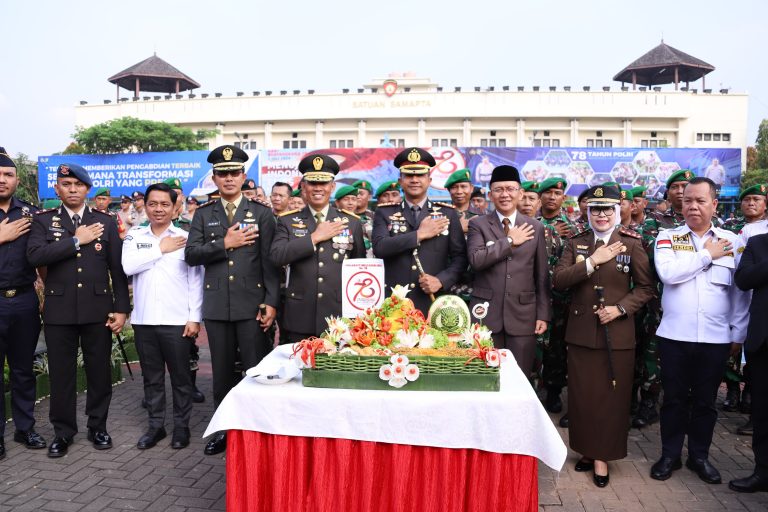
(103, 191)
(627, 194)
(681, 175)
(460, 176)
(755, 190)
(174, 183)
(638, 191)
(363, 184)
(387, 185)
(51, 203)
(611, 184)
(530, 186)
(558, 183)
(296, 192)
(346, 190)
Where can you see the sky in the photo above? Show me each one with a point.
(54, 54)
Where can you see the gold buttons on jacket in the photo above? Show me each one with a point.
(321, 265)
(231, 263)
(319, 279)
(79, 255)
(413, 267)
(320, 295)
(320, 249)
(79, 270)
(231, 278)
(79, 285)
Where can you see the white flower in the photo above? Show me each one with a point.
(427, 341)
(385, 372)
(397, 382)
(408, 339)
(400, 291)
(398, 359)
(492, 358)
(412, 372)
(338, 330)
(475, 334)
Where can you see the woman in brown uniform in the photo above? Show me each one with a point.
(607, 271)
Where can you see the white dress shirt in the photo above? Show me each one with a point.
(701, 302)
(166, 291)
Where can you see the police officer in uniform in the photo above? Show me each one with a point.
(81, 249)
(418, 231)
(314, 242)
(231, 237)
(19, 309)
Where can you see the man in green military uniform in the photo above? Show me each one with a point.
(459, 185)
(625, 208)
(555, 375)
(387, 193)
(640, 204)
(102, 198)
(313, 243)
(530, 203)
(582, 222)
(346, 198)
(364, 194)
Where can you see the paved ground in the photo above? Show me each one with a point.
(162, 479)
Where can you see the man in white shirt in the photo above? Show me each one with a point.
(705, 319)
(153, 255)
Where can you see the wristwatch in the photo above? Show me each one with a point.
(77, 242)
(621, 309)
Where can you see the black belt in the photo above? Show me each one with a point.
(12, 292)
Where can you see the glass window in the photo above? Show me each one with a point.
(302, 144)
(483, 142)
(715, 136)
(707, 137)
(598, 143)
(502, 143)
(332, 145)
(643, 143)
(698, 136)
(537, 143)
(654, 143)
(726, 137)
(286, 144)
(609, 143)
(590, 143)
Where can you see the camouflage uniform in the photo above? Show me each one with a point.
(366, 219)
(733, 376)
(552, 343)
(463, 288)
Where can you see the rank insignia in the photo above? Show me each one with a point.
(97, 246)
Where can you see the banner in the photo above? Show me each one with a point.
(362, 285)
(581, 167)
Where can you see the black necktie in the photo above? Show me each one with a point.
(76, 221)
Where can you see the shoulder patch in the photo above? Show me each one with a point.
(290, 212)
(351, 214)
(259, 201)
(208, 203)
(448, 205)
(582, 232)
(49, 210)
(628, 232)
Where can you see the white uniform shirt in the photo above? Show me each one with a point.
(701, 302)
(166, 291)
(753, 228)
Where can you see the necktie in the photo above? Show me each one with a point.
(505, 222)
(76, 220)
(230, 211)
(319, 217)
(599, 243)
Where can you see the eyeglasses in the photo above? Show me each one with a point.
(508, 190)
(603, 211)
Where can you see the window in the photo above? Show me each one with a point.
(246, 144)
(444, 142)
(294, 144)
(538, 143)
(501, 143)
(707, 137)
(599, 143)
(726, 137)
(714, 137)
(341, 143)
(395, 143)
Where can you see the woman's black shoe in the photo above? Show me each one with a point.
(584, 465)
(600, 480)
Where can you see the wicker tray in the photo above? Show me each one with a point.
(435, 374)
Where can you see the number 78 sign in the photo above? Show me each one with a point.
(362, 285)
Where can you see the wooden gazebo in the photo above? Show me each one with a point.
(664, 65)
(153, 75)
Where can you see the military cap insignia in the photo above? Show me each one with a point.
(63, 169)
(623, 194)
(317, 163)
(687, 175)
(414, 156)
(559, 184)
(762, 189)
(177, 182)
(227, 153)
(598, 191)
(467, 174)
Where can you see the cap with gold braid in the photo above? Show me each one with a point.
(414, 161)
(603, 196)
(227, 159)
(5, 159)
(318, 168)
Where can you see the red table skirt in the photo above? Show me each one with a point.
(277, 473)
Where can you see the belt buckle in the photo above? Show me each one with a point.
(9, 294)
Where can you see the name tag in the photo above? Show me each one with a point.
(143, 246)
(214, 223)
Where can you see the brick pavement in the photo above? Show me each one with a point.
(163, 479)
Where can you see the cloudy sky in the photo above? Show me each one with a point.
(54, 54)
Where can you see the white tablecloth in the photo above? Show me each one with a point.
(509, 421)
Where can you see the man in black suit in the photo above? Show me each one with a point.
(231, 237)
(752, 274)
(314, 242)
(81, 249)
(416, 223)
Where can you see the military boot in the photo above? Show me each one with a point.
(731, 402)
(553, 403)
(646, 414)
(746, 400)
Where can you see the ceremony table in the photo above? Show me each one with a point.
(294, 448)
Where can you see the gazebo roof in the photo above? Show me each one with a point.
(155, 75)
(658, 67)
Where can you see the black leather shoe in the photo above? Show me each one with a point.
(100, 439)
(30, 439)
(601, 480)
(564, 421)
(2, 448)
(746, 401)
(584, 465)
(705, 470)
(553, 403)
(731, 402)
(646, 414)
(217, 444)
(197, 396)
(752, 483)
(180, 438)
(664, 467)
(746, 429)
(151, 438)
(59, 447)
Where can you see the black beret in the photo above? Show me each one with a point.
(505, 173)
(5, 159)
(74, 171)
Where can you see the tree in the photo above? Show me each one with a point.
(751, 158)
(761, 145)
(753, 177)
(131, 135)
(27, 173)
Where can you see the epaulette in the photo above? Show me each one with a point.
(388, 204)
(26, 202)
(208, 203)
(351, 214)
(582, 232)
(629, 232)
(449, 205)
(289, 212)
(49, 210)
(262, 203)
(104, 212)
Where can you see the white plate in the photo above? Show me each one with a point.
(263, 379)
